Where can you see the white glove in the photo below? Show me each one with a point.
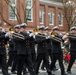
(7, 34)
(48, 37)
(28, 32)
(32, 34)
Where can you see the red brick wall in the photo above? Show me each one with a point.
(37, 6)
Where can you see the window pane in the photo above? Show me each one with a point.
(51, 18)
(12, 1)
(29, 12)
(60, 17)
(28, 3)
(75, 18)
(41, 16)
(12, 10)
(28, 15)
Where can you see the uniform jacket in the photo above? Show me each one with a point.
(16, 45)
(3, 41)
(32, 45)
(23, 45)
(41, 41)
(11, 45)
(56, 46)
(72, 44)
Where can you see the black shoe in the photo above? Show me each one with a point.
(55, 69)
(65, 74)
(50, 74)
(24, 73)
(69, 72)
(43, 69)
(14, 72)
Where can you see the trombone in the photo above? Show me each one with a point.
(52, 36)
(35, 31)
(11, 30)
(71, 35)
(14, 34)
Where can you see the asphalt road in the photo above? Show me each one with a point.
(58, 72)
(41, 72)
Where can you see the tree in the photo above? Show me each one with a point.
(16, 11)
(68, 11)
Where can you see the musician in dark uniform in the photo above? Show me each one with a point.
(57, 53)
(49, 46)
(3, 42)
(72, 48)
(42, 53)
(14, 64)
(23, 52)
(10, 53)
(32, 47)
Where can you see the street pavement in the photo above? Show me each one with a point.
(41, 72)
(44, 72)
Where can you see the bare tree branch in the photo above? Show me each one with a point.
(4, 19)
(68, 10)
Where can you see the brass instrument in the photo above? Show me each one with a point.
(35, 31)
(71, 35)
(18, 35)
(52, 36)
(12, 33)
(11, 30)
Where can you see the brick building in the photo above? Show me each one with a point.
(44, 12)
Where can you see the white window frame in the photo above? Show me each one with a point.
(60, 19)
(14, 5)
(49, 14)
(29, 7)
(42, 16)
(75, 16)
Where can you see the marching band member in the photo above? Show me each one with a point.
(10, 52)
(3, 42)
(72, 49)
(42, 53)
(49, 45)
(23, 52)
(14, 64)
(57, 53)
(32, 47)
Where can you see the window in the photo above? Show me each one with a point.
(75, 18)
(41, 17)
(51, 18)
(29, 11)
(60, 19)
(12, 10)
